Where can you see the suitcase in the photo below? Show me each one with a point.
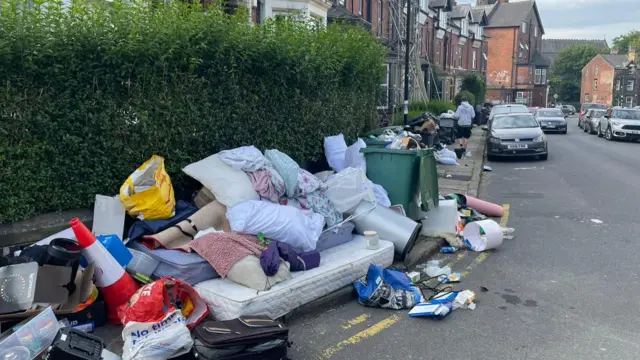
(247, 337)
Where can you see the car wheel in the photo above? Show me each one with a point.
(544, 157)
(599, 132)
(608, 135)
(564, 132)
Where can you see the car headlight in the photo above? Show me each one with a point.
(495, 140)
(615, 123)
(540, 138)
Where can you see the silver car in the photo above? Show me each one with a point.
(552, 119)
(507, 109)
(592, 120)
(620, 124)
(515, 135)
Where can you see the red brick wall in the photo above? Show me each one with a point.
(500, 57)
(525, 75)
(605, 77)
(539, 95)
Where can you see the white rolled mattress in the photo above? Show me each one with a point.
(339, 266)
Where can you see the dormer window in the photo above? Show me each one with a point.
(442, 19)
(523, 27)
(465, 27)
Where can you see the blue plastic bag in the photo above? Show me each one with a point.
(387, 289)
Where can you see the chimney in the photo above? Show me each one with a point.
(632, 54)
(615, 51)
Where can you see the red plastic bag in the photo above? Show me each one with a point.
(152, 302)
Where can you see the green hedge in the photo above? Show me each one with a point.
(91, 92)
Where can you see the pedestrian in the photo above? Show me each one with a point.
(465, 114)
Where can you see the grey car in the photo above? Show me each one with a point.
(552, 119)
(592, 120)
(620, 124)
(515, 135)
(507, 109)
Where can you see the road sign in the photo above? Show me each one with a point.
(555, 96)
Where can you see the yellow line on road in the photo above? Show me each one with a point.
(362, 335)
(355, 321)
(505, 218)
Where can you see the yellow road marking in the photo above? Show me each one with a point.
(505, 218)
(355, 321)
(362, 335)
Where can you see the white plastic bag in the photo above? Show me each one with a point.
(335, 149)
(161, 340)
(382, 196)
(348, 188)
(447, 161)
(354, 158)
(277, 222)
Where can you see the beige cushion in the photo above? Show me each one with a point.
(249, 273)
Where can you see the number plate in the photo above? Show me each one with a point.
(517, 146)
(551, 126)
(635, 132)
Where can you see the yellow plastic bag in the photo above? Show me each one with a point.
(147, 193)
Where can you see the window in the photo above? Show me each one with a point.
(474, 64)
(379, 25)
(544, 77)
(460, 57)
(595, 84)
(597, 69)
(523, 28)
(629, 101)
(538, 78)
(535, 31)
(438, 52)
(384, 89)
(442, 19)
(618, 85)
(360, 6)
(587, 98)
(424, 5)
(630, 85)
(520, 95)
(342, 2)
(484, 60)
(464, 27)
(458, 85)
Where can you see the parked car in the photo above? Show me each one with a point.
(568, 109)
(532, 109)
(515, 134)
(592, 120)
(587, 106)
(507, 109)
(551, 119)
(620, 123)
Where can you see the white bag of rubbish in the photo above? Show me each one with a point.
(167, 338)
(354, 158)
(348, 188)
(447, 161)
(446, 153)
(382, 196)
(335, 149)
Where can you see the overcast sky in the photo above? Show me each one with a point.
(586, 19)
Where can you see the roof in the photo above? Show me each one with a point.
(478, 14)
(460, 11)
(513, 14)
(539, 60)
(488, 9)
(555, 46)
(437, 4)
(617, 61)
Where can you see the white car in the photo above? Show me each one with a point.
(620, 124)
(507, 109)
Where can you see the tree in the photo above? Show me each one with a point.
(476, 85)
(623, 42)
(466, 94)
(566, 74)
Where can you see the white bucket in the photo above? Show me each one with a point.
(472, 236)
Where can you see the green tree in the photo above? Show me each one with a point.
(467, 94)
(477, 86)
(566, 74)
(623, 42)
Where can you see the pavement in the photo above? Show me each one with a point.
(564, 288)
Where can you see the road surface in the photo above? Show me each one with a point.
(565, 288)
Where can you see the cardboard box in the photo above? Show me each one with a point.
(46, 286)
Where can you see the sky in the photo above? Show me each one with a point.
(586, 19)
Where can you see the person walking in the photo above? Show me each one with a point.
(465, 114)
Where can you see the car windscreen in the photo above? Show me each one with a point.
(515, 121)
(594, 106)
(598, 113)
(550, 113)
(510, 109)
(626, 114)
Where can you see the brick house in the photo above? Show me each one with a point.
(612, 80)
(516, 70)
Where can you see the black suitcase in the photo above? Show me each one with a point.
(247, 337)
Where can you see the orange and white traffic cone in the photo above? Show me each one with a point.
(115, 284)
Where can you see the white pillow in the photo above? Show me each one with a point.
(277, 222)
(230, 186)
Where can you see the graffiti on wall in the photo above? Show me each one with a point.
(498, 77)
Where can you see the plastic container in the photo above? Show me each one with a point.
(401, 171)
(115, 247)
(476, 241)
(142, 263)
(443, 219)
(28, 339)
(372, 241)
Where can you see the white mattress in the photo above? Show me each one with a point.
(339, 267)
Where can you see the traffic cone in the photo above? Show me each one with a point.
(115, 284)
